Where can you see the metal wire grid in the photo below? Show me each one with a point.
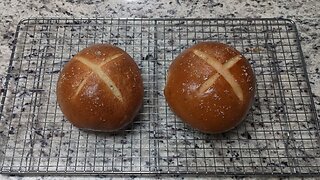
(279, 136)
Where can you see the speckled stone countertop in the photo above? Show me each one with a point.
(304, 12)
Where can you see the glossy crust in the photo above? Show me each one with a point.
(87, 101)
(218, 108)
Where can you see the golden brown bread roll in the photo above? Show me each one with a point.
(210, 86)
(100, 89)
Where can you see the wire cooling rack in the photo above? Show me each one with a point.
(278, 137)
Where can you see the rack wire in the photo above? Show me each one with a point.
(279, 136)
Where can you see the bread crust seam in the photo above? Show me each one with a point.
(223, 70)
(96, 68)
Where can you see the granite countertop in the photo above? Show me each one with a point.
(304, 12)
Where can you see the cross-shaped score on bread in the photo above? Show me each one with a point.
(223, 70)
(96, 68)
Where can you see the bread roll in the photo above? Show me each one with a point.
(210, 86)
(100, 89)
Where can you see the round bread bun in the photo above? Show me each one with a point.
(100, 89)
(210, 86)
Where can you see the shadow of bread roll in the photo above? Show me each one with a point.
(100, 89)
(210, 86)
